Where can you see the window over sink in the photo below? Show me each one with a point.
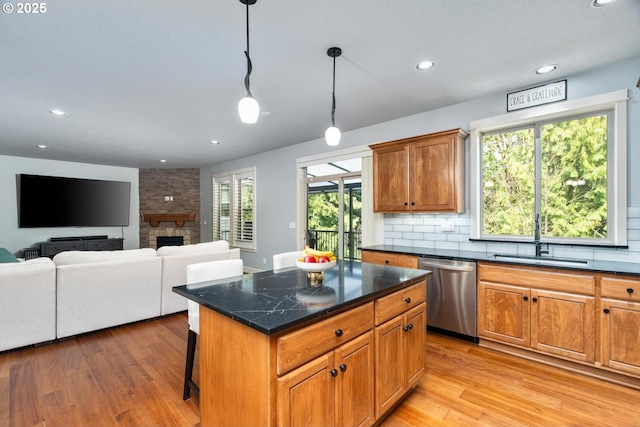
(563, 163)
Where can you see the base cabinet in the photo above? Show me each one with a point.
(386, 258)
(620, 323)
(504, 313)
(552, 321)
(563, 324)
(333, 390)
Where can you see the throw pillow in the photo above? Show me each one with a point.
(6, 256)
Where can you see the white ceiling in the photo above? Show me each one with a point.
(144, 80)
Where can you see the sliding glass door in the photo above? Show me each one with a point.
(334, 208)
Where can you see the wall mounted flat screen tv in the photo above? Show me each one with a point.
(54, 201)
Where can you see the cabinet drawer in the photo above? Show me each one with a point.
(399, 302)
(302, 345)
(625, 289)
(539, 278)
(56, 247)
(385, 258)
(104, 245)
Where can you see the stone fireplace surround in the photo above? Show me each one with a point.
(175, 230)
(154, 233)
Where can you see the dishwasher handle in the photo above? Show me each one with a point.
(441, 266)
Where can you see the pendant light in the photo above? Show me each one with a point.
(332, 134)
(248, 107)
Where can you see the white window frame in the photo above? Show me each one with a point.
(616, 159)
(234, 177)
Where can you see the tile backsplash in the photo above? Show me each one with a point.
(424, 231)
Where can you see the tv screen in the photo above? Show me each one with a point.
(53, 201)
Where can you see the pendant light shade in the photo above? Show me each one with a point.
(248, 107)
(332, 134)
(249, 110)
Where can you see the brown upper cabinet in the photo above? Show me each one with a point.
(420, 174)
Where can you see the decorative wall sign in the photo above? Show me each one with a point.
(545, 94)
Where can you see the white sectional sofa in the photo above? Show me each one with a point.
(99, 289)
(27, 303)
(174, 268)
(83, 291)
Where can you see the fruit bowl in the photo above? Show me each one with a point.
(314, 267)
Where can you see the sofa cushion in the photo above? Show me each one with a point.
(6, 256)
(85, 257)
(218, 245)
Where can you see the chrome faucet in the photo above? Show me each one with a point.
(536, 238)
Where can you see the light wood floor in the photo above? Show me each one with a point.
(132, 376)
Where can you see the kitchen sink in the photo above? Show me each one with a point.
(544, 260)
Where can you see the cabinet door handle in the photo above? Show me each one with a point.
(407, 300)
(405, 203)
(334, 372)
(405, 328)
(630, 290)
(338, 332)
(534, 299)
(386, 261)
(343, 367)
(525, 298)
(410, 325)
(413, 203)
(606, 311)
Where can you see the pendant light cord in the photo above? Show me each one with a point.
(246, 53)
(333, 95)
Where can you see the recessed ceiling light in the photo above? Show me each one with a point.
(546, 69)
(425, 65)
(265, 113)
(603, 3)
(57, 112)
(214, 142)
(163, 161)
(42, 146)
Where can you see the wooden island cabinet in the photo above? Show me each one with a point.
(420, 174)
(275, 351)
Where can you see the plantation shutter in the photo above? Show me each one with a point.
(222, 208)
(234, 210)
(243, 209)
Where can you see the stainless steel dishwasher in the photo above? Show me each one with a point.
(451, 297)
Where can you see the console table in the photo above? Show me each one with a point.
(50, 249)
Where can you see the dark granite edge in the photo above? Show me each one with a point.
(316, 315)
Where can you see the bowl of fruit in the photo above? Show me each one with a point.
(315, 261)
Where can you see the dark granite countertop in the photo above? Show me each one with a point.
(273, 301)
(591, 265)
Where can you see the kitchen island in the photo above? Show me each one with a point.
(276, 351)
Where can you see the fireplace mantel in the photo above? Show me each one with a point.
(179, 219)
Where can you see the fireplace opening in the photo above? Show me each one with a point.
(169, 241)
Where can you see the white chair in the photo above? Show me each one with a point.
(286, 259)
(196, 273)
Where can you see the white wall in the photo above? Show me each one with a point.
(275, 170)
(16, 239)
